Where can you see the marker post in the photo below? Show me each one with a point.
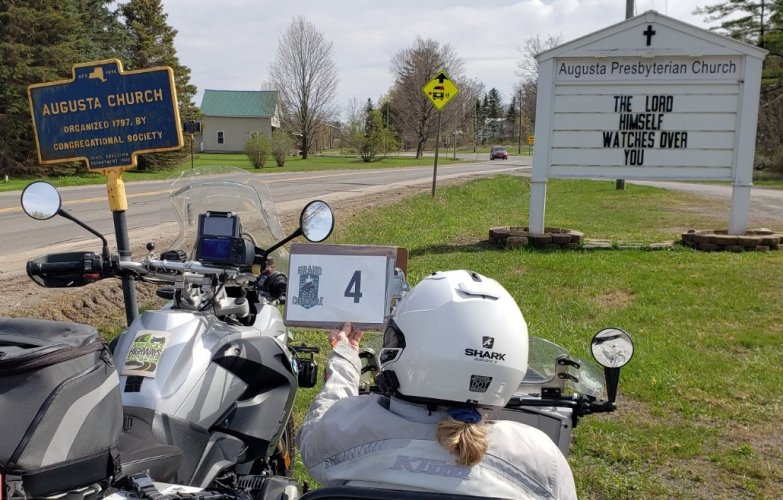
(106, 117)
(118, 204)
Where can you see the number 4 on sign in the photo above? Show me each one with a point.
(354, 288)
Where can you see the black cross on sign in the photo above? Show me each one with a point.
(649, 32)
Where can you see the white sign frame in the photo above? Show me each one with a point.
(331, 284)
(580, 79)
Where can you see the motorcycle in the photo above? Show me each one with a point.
(227, 371)
(208, 381)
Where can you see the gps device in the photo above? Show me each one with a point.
(220, 240)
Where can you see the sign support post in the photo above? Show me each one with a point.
(439, 91)
(118, 204)
(437, 147)
(106, 117)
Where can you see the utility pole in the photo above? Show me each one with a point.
(519, 146)
(619, 184)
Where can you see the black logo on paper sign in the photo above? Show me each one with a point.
(487, 342)
(308, 287)
(479, 383)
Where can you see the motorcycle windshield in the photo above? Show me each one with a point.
(542, 366)
(226, 189)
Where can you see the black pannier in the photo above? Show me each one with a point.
(60, 407)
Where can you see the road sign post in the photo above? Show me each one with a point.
(107, 116)
(439, 91)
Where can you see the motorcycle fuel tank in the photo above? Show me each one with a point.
(165, 362)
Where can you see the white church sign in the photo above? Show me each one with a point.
(648, 98)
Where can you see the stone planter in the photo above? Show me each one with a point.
(716, 240)
(517, 237)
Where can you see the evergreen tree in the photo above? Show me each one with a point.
(151, 45)
(391, 137)
(511, 117)
(759, 23)
(740, 19)
(39, 42)
(369, 123)
(105, 37)
(372, 142)
(494, 104)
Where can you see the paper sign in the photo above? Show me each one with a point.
(331, 284)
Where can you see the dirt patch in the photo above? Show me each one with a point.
(613, 299)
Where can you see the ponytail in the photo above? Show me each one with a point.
(464, 435)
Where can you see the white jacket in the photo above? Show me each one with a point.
(371, 440)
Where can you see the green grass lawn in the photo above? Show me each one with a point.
(700, 404)
(292, 164)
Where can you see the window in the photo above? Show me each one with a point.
(220, 137)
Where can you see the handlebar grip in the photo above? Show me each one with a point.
(39, 268)
(67, 269)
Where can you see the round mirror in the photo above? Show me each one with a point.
(41, 200)
(317, 221)
(612, 347)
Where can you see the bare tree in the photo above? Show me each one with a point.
(528, 72)
(470, 91)
(305, 75)
(528, 65)
(413, 68)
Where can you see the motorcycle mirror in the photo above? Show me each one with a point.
(317, 221)
(612, 348)
(41, 200)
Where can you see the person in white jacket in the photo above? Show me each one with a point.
(455, 347)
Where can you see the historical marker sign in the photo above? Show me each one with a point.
(105, 116)
(647, 98)
(440, 90)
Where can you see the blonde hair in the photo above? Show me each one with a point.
(467, 441)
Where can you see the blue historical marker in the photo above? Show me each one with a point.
(105, 115)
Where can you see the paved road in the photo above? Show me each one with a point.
(22, 237)
(766, 209)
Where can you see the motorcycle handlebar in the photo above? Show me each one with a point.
(67, 269)
(41, 268)
(189, 271)
(190, 266)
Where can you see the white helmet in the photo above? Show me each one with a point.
(456, 337)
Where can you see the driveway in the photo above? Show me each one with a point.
(766, 208)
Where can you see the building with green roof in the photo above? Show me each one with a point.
(232, 116)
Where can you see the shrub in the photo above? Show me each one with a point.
(257, 148)
(281, 145)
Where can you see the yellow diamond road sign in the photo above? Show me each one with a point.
(440, 90)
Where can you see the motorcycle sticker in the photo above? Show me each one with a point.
(145, 353)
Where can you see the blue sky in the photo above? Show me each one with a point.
(230, 44)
